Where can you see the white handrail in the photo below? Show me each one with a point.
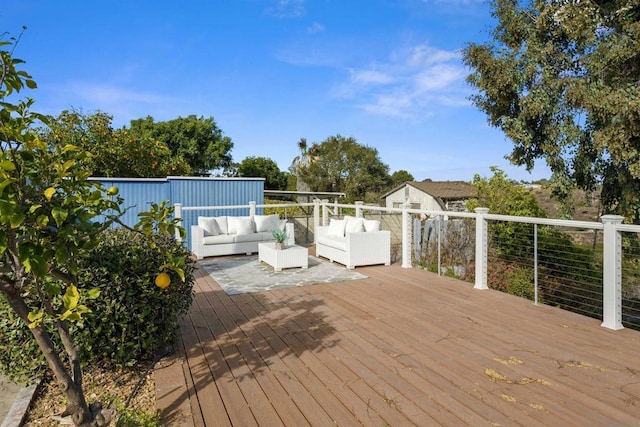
(611, 226)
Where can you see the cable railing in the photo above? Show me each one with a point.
(591, 268)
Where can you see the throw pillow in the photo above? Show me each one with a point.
(223, 224)
(210, 226)
(371, 225)
(265, 223)
(242, 225)
(354, 225)
(336, 228)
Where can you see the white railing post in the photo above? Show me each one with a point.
(612, 273)
(406, 237)
(325, 214)
(482, 237)
(177, 212)
(359, 209)
(316, 219)
(252, 209)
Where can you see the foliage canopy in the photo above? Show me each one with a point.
(265, 168)
(115, 153)
(343, 165)
(196, 140)
(560, 79)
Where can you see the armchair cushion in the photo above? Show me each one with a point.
(336, 228)
(354, 225)
(371, 225)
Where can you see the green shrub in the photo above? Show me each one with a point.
(20, 358)
(131, 320)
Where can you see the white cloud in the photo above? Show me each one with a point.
(122, 103)
(316, 27)
(287, 9)
(370, 77)
(414, 83)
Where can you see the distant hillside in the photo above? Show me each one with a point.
(585, 210)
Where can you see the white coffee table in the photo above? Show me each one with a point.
(290, 257)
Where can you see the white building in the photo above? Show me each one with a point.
(431, 195)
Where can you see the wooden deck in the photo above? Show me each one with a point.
(403, 347)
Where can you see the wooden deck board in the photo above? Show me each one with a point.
(402, 347)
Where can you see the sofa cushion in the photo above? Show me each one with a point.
(240, 225)
(354, 225)
(266, 222)
(210, 226)
(339, 243)
(217, 240)
(264, 236)
(371, 225)
(336, 228)
(241, 238)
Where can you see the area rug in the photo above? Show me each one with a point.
(246, 274)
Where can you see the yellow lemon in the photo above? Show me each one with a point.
(112, 191)
(163, 280)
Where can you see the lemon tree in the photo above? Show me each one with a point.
(48, 222)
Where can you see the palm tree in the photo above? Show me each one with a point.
(301, 161)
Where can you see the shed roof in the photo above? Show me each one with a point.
(445, 190)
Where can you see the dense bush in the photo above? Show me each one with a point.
(131, 320)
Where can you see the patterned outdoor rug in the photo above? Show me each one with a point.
(247, 274)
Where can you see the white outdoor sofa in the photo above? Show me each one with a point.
(354, 242)
(229, 235)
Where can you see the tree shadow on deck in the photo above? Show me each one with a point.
(240, 338)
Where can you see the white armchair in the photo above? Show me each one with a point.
(355, 248)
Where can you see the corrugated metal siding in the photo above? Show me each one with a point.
(138, 194)
(214, 192)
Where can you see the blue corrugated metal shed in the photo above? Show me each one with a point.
(139, 193)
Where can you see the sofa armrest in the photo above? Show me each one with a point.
(321, 231)
(197, 241)
(371, 247)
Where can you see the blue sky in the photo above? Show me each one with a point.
(386, 72)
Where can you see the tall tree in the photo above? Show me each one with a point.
(401, 176)
(302, 160)
(341, 164)
(561, 80)
(265, 168)
(115, 153)
(197, 140)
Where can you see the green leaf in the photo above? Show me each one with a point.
(31, 84)
(4, 184)
(35, 318)
(7, 165)
(16, 219)
(69, 147)
(93, 293)
(42, 220)
(82, 309)
(49, 192)
(36, 265)
(71, 298)
(59, 215)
